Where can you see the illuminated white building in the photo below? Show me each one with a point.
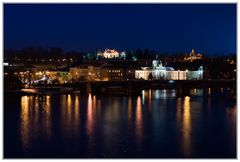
(158, 71)
(111, 53)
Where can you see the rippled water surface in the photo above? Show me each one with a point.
(156, 124)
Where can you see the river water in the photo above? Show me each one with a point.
(156, 124)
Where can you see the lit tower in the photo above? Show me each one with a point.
(193, 51)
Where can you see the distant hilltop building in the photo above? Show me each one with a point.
(110, 54)
(193, 56)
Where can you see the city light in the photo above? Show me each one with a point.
(120, 81)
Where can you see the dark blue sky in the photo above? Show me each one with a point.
(209, 28)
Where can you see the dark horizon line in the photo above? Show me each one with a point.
(125, 50)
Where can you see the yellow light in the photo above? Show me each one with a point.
(186, 126)
(25, 120)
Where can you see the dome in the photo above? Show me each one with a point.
(156, 63)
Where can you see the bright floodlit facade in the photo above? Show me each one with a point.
(158, 71)
(111, 53)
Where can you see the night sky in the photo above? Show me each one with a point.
(208, 28)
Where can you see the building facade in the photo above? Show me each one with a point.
(158, 71)
(111, 54)
(97, 74)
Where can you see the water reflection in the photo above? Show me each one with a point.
(196, 92)
(35, 119)
(129, 109)
(221, 90)
(76, 115)
(69, 108)
(48, 117)
(94, 103)
(150, 100)
(139, 128)
(209, 91)
(164, 93)
(143, 96)
(184, 120)
(154, 123)
(149, 95)
(157, 94)
(147, 98)
(179, 110)
(65, 115)
(231, 116)
(89, 124)
(70, 115)
(25, 121)
(186, 129)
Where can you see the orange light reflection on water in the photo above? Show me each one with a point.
(48, 116)
(186, 129)
(32, 107)
(25, 121)
(76, 115)
(129, 108)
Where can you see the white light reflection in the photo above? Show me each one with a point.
(209, 91)
(157, 94)
(143, 96)
(173, 93)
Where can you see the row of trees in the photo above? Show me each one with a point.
(53, 53)
(58, 53)
(40, 53)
